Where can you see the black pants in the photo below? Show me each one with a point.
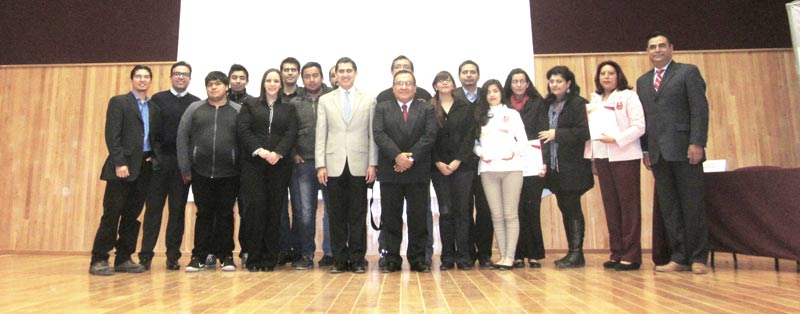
(417, 197)
(348, 214)
(530, 244)
(453, 195)
(481, 232)
(264, 188)
(165, 182)
(213, 230)
(119, 227)
(680, 191)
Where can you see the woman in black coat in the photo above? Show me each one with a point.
(569, 175)
(267, 129)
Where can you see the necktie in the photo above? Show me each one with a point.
(405, 113)
(659, 72)
(348, 110)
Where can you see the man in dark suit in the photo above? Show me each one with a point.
(676, 110)
(133, 149)
(404, 131)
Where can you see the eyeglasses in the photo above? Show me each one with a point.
(403, 83)
(181, 74)
(443, 81)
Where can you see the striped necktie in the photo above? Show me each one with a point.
(659, 72)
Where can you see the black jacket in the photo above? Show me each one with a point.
(256, 131)
(574, 173)
(124, 135)
(456, 137)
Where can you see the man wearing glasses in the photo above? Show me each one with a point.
(167, 180)
(131, 134)
(404, 131)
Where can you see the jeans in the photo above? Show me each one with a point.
(303, 188)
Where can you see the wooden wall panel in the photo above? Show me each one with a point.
(53, 147)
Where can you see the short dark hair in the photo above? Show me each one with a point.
(312, 64)
(346, 60)
(290, 60)
(238, 67)
(405, 72)
(477, 68)
(141, 67)
(622, 81)
(567, 74)
(402, 57)
(531, 91)
(217, 76)
(656, 34)
(180, 63)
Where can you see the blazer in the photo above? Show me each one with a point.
(677, 114)
(124, 135)
(393, 135)
(456, 138)
(338, 141)
(630, 126)
(256, 131)
(574, 173)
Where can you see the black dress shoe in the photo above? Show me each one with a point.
(485, 263)
(465, 265)
(421, 268)
(338, 269)
(502, 267)
(146, 261)
(390, 267)
(447, 266)
(518, 263)
(359, 269)
(534, 264)
(626, 267)
(610, 264)
(173, 264)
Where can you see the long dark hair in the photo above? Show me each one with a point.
(567, 74)
(531, 91)
(482, 111)
(622, 81)
(437, 106)
(263, 96)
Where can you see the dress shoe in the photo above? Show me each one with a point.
(253, 268)
(390, 267)
(610, 264)
(283, 258)
(447, 266)
(325, 261)
(128, 266)
(465, 265)
(421, 267)
(502, 267)
(672, 267)
(338, 269)
(534, 264)
(485, 263)
(173, 264)
(699, 268)
(145, 262)
(518, 263)
(359, 269)
(101, 268)
(625, 267)
(574, 259)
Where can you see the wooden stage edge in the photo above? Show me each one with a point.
(47, 283)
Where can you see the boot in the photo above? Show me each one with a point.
(574, 258)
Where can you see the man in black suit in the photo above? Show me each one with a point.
(133, 149)
(404, 131)
(676, 110)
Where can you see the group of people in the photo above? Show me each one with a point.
(489, 153)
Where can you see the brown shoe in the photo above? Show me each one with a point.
(672, 267)
(698, 268)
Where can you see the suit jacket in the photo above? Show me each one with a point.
(574, 173)
(676, 115)
(339, 141)
(256, 131)
(125, 136)
(393, 135)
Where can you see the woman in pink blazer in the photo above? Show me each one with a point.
(615, 160)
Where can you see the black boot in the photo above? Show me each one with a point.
(574, 258)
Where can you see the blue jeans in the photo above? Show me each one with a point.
(303, 188)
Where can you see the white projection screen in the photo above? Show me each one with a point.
(435, 35)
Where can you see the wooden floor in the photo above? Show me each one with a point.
(61, 284)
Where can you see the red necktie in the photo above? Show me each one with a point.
(405, 113)
(659, 72)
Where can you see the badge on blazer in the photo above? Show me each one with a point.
(619, 106)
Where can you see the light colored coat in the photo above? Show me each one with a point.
(338, 141)
(630, 126)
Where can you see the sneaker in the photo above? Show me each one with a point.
(326, 261)
(195, 265)
(101, 268)
(305, 262)
(228, 264)
(211, 261)
(128, 266)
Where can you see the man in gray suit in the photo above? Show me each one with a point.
(345, 156)
(676, 109)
